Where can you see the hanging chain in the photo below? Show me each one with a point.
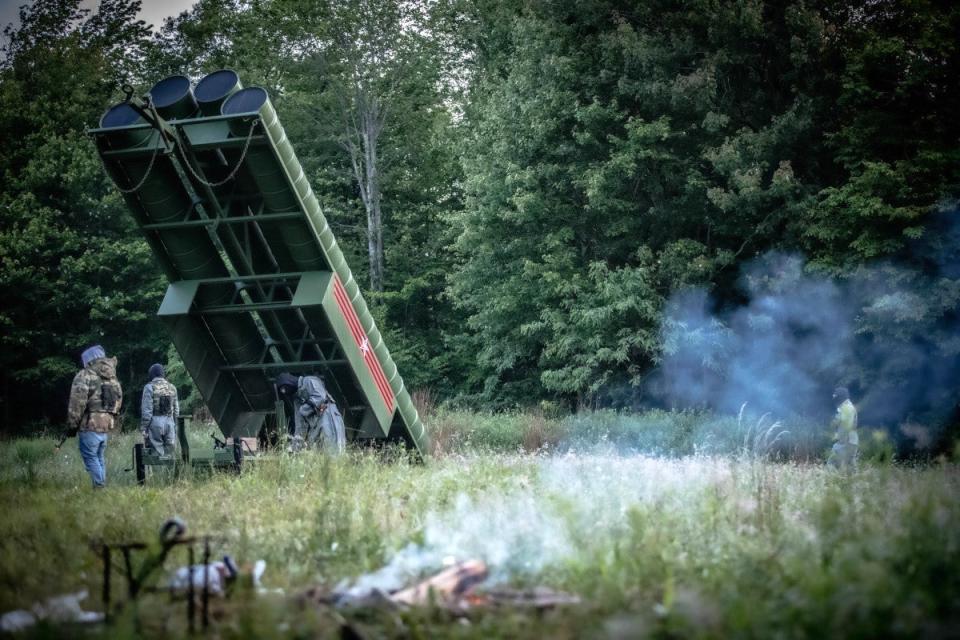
(243, 155)
(146, 174)
(194, 172)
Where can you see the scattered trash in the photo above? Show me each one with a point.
(196, 582)
(61, 609)
(214, 577)
(17, 621)
(219, 578)
(457, 588)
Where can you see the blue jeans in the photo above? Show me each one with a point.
(92, 447)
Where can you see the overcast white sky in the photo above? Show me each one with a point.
(151, 11)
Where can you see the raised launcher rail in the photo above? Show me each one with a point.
(258, 284)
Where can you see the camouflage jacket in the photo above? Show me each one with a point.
(95, 397)
(158, 402)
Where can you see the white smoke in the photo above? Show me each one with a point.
(544, 520)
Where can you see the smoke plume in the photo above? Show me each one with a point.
(888, 331)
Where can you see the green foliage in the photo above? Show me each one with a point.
(73, 271)
(636, 149)
(644, 159)
(605, 328)
(894, 134)
(190, 399)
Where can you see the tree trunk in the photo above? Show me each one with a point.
(362, 132)
(371, 132)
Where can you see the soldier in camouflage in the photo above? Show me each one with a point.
(316, 416)
(159, 410)
(95, 399)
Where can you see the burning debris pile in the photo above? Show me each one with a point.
(456, 587)
(473, 552)
(459, 587)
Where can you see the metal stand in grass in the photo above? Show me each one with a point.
(172, 535)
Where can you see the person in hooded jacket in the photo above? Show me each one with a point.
(316, 416)
(95, 399)
(159, 410)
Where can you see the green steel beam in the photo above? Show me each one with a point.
(258, 277)
(247, 308)
(212, 222)
(225, 143)
(288, 366)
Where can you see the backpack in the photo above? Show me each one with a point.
(103, 403)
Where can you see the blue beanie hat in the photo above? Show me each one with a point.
(91, 354)
(156, 371)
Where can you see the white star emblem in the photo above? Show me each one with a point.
(365, 346)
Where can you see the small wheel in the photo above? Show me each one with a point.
(138, 465)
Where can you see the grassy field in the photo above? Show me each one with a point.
(670, 525)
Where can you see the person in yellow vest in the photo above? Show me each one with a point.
(844, 453)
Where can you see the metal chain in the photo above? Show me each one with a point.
(146, 174)
(243, 155)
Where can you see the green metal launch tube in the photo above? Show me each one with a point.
(173, 98)
(258, 284)
(214, 89)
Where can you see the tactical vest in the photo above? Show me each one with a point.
(106, 397)
(163, 398)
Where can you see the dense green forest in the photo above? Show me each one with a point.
(590, 203)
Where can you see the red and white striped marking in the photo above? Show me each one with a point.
(363, 343)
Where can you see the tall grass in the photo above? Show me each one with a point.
(656, 432)
(693, 543)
